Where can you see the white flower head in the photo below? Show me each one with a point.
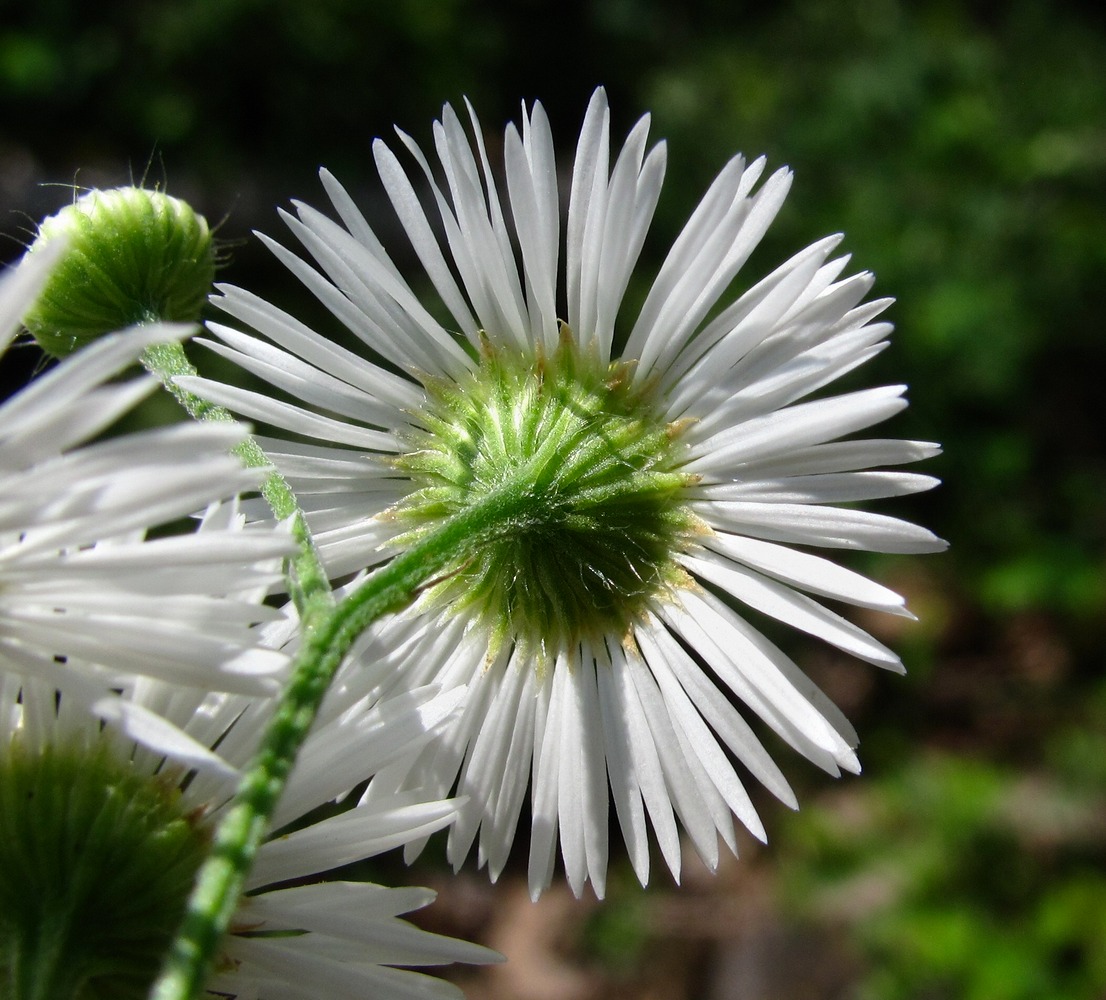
(666, 484)
(87, 600)
(100, 840)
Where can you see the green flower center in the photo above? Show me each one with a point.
(597, 467)
(96, 863)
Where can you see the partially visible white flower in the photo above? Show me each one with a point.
(669, 484)
(293, 936)
(86, 598)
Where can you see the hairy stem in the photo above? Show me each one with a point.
(219, 881)
(239, 835)
(307, 581)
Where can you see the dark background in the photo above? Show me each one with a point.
(962, 149)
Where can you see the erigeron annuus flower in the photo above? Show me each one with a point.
(656, 490)
(87, 600)
(100, 840)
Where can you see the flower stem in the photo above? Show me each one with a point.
(219, 881)
(307, 581)
(239, 835)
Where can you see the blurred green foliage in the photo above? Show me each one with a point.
(966, 880)
(962, 149)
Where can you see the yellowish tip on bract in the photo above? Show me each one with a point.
(133, 256)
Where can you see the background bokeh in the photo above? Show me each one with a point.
(962, 149)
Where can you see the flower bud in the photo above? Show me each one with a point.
(133, 256)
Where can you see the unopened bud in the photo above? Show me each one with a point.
(133, 256)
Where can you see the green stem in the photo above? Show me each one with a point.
(239, 835)
(307, 580)
(240, 831)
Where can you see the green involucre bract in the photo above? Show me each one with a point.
(96, 862)
(595, 544)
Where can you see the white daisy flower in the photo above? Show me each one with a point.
(100, 840)
(86, 599)
(661, 487)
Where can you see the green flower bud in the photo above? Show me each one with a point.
(133, 256)
(96, 863)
